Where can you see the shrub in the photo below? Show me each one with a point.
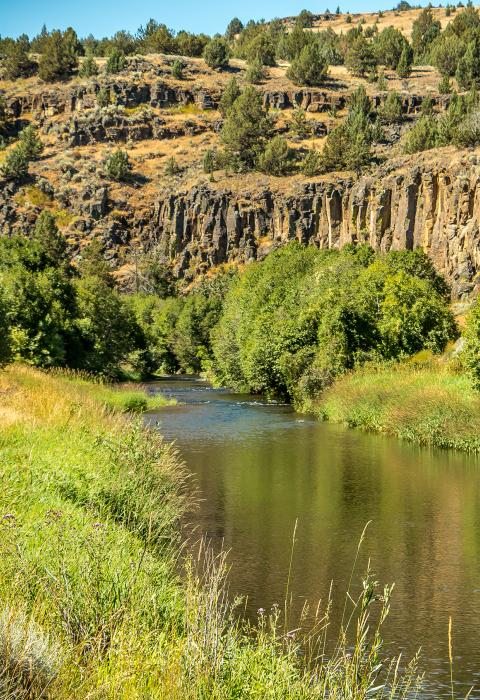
(115, 63)
(31, 144)
(422, 136)
(446, 52)
(310, 67)
(391, 110)
(209, 162)
(299, 125)
(177, 70)
(404, 66)
(246, 128)
(103, 97)
(277, 159)
(360, 59)
(15, 165)
(117, 165)
(229, 95)
(425, 29)
(312, 163)
(382, 81)
(471, 351)
(468, 70)
(261, 48)
(88, 68)
(172, 167)
(235, 26)
(305, 19)
(216, 53)
(389, 45)
(255, 72)
(445, 86)
(17, 63)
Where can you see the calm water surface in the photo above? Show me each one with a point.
(260, 467)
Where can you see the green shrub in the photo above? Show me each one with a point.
(88, 68)
(445, 86)
(229, 95)
(246, 128)
(299, 125)
(391, 110)
(17, 62)
(117, 165)
(209, 161)
(116, 62)
(310, 67)
(15, 165)
(422, 136)
(30, 143)
(103, 97)
(59, 58)
(312, 163)
(172, 167)
(277, 159)
(216, 53)
(255, 72)
(360, 59)
(178, 68)
(404, 66)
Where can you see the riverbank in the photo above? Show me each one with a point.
(92, 604)
(429, 405)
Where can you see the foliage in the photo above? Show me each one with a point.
(277, 159)
(404, 66)
(391, 110)
(117, 165)
(235, 26)
(284, 329)
(59, 56)
(229, 95)
(389, 45)
(309, 67)
(305, 19)
(103, 97)
(468, 68)
(116, 62)
(261, 49)
(216, 53)
(471, 351)
(15, 165)
(312, 163)
(255, 72)
(246, 128)
(299, 125)
(17, 62)
(425, 30)
(172, 167)
(30, 142)
(422, 136)
(177, 69)
(445, 86)
(88, 68)
(209, 161)
(360, 59)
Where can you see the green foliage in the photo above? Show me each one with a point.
(116, 62)
(299, 125)
(382, 84)
(216, 53)
(177, 70)
(157, 38)
(277, 159)
(17, 63)
(445, 53)
(388, 46)
(471, 350)
(190, 44)
(305, 19)
(59, 56)
(422, 136)
(425, 30)
(117, 165)
(312, 163)
(246, 128)
(229, 95)
(255, 72)
(235, 26)
(30, 142)
(445, 86)
(391, 110)
(310, 67)
(15, 165)
(5, 341)
(88, 68)
(172, 167)
(286, 330)
(103, 97)
(261, 49)
(209, 161)
(360, 59)
(404, 66)
(468, 68)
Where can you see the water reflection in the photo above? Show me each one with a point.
(260, 467)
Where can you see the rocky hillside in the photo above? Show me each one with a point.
(199, 222)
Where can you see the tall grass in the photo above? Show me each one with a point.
(95, 600)
(429, 405)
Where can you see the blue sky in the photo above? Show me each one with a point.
(105, 17)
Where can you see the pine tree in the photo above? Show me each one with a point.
(57, 61)
(117, 165)
(277, 159)
(310, 67)
(360, 59)
(404, 67)
(115, 63)
(89, 67)
(230, 94)
(216, 53)
(17, 63)
(30, 142)
(246, 129)
(15, 165)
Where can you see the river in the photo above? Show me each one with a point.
(260, 467)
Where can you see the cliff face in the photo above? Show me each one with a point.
(428, 205)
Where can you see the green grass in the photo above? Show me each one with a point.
(429, 405)
(97, 599)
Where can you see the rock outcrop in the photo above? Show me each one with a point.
(432, 206)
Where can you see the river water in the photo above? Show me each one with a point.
(260, 467)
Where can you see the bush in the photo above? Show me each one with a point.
(425, 29)
(30, 143)
(445, 54)
(246, 128)
(59, 59)
(15, 165)
(299, 124)
(118, 166)
(360, 59)
(103, 97)
(312, 163)
(255, 72)
(389, 45)
(277, 159)
(261, 49)
(422, 136)
(391, 110)
(305, 19)
(209, 162)
(445, 86)
(216, 53)
(471, 350)
(229, 95)
(116, 62)
(404, 66)
(88, 68)
(172, 167)
(177, 70)
(310, 67)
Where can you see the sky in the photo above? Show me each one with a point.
(105, 17)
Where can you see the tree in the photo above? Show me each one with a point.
(468, 70)
(445, 86)
(422, 136)
(156, 38)
(310, 67)
(229, 95)
(30, 142)
(191, 44)
(255, 72)
(425, 29)
(117, 165)
(50, 240)
(88, 68)
(360, 59)
(172, 167)
(299, 125)
(177, 70)
(246, 129)
(404, 66)
(15, 165)
(57, 61)
(389, 45)
(277, 159)
(216, 53)
(17, 63)
(235, 26)
(5, 342)
(391, 110)
(446, 52)
(312, 163)
(305, 19)
(115, 63)
(103, 97)
(209, 162)
(471, 351)
(261, 48)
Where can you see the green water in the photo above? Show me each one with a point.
(260, 468)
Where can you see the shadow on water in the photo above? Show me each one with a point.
(260, 467)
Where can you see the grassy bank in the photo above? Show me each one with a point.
(91, 601)
(428, 405)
